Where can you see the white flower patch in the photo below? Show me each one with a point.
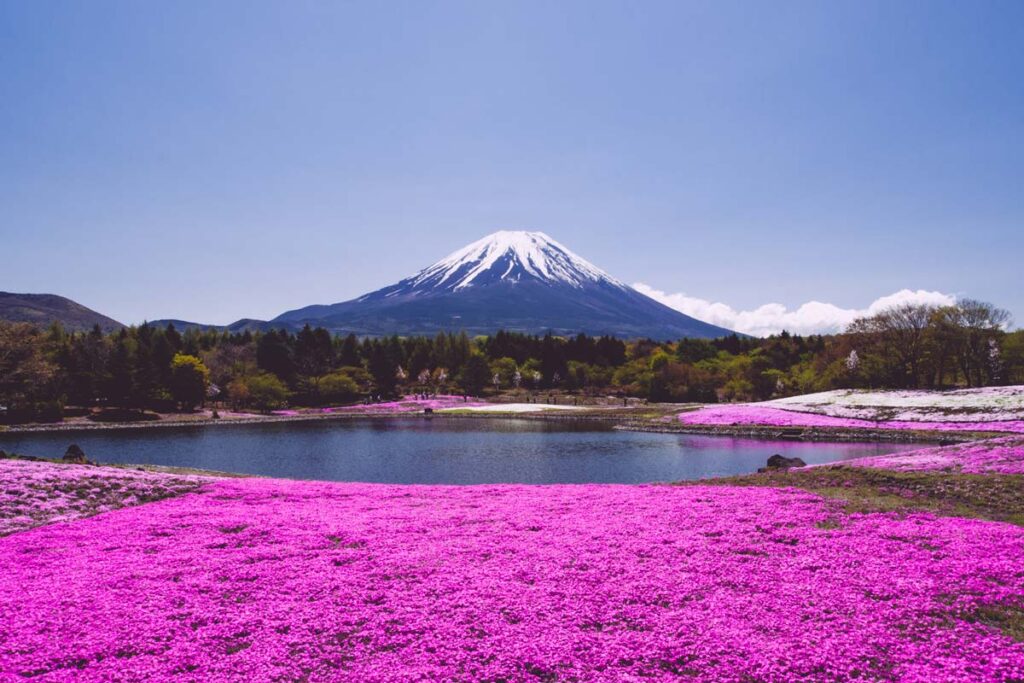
(512, 408)
(960, 405)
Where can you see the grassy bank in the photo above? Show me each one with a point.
(996, 497)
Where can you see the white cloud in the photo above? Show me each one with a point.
(813, 317)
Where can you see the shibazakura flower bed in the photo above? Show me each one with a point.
(985, 404)
(34, 493)
(989, 409)
(268, 580)
(748, 414)
(993, 456)
(408, 404)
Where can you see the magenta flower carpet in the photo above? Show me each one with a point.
(993, 456)
(35, 493)
(746, 414)
(270, 580)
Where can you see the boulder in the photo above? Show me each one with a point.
(781, 462)
(75, 454)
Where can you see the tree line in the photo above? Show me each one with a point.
(44, 373)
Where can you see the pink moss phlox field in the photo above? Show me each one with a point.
(992, 456)
(34, 493)
(264, 580)
(751, 414)
(408, 404)
(983, 404)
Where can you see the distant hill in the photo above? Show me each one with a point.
(44, 309)
(510, 280)
(253, 325)
(180, 325)
(243, 325)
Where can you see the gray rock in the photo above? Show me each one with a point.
(781, 462)
(75, 454)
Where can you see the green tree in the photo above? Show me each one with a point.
(505, 368)
(119, 378)
(146, 380)
(83, 363)
(274, 354)
(189, 379)
(1013, 357)
(348, 351)
(314, 356)
(238, 392)
(382, 366)
(25, 370)
(475, 375)
(695, 350)
(338, 387)
(266, 391)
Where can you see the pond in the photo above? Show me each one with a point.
(439, 451)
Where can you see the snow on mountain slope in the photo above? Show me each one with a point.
(509, 256)
(510, 280)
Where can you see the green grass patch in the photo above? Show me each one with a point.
(997, 497)
(1007, 618)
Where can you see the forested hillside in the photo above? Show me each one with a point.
(43, 371)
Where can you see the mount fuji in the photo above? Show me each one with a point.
(511, 280)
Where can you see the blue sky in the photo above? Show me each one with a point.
(212, 161)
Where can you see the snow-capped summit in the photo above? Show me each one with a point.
(513, 280)
(511, 256)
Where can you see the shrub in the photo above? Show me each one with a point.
(338, 387)
(189, 379)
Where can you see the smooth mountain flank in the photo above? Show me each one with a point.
(45, 309)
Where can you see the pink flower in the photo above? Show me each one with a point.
(269, 580)
(753, 414)
(1001, 456)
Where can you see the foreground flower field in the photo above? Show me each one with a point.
(272, 580)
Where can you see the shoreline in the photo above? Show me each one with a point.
(616, 419)
(313, 417)
(767, 432)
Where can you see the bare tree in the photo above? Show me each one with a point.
(901, 334)
(921, 344)
(974, 325)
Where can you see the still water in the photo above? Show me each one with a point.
(439, 451)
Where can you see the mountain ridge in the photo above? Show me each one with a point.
(516, 281)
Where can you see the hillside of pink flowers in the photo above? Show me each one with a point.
(269, 580)
(984, 404)
(744, 414)
(34, 493)
(993, 456)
